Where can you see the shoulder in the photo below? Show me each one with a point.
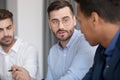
(80, 40)
(82, 46)
(54, 48)
(54, 51)
(25, 45)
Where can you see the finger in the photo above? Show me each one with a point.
(14, 67)
(17, 77)
(14, 74)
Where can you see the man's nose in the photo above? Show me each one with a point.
(5, 32)
(61, 26)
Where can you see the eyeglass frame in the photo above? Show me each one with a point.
(58, 21)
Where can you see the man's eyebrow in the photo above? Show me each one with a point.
(9, 25)
(65, 17)
(54, 19)
(58, 19)
(1, 28)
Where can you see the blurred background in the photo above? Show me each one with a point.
(31, 20)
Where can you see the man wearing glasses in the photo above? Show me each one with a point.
(72, 56)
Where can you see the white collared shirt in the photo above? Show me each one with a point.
(21, 54)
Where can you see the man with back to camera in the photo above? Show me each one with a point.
(18, 59)
(72, 56)
(100, 23)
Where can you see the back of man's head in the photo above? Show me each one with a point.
(109, 10)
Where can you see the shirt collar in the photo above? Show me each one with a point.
(73, 37)
(111, 46)
(1, 50)
(15, 47)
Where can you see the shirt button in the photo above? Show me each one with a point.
(107, 66)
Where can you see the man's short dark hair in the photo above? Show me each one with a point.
(58, 4)
(109, 10)
(4, 14)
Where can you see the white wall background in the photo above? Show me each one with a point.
(28, 20)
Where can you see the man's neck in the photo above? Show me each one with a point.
(64, 43)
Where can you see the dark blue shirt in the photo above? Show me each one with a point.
(111, 46)
(109, 51)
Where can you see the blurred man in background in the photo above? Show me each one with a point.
(18, 59)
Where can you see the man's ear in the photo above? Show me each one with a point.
(94, 17)
(49, 24)
(75, 22)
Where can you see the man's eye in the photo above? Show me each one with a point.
(65, 20)
(1, 30)
(9, 27)
(55, 22)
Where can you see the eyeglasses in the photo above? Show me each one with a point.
(65, 21)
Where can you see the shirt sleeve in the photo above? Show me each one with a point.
(31, 61)
(49, 75)
(49, 72)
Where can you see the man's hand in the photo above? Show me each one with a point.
(19, 73)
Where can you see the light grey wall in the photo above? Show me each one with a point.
(12, 6)
(2, 4)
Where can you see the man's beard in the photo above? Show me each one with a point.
(64, 38)
(5, 43)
